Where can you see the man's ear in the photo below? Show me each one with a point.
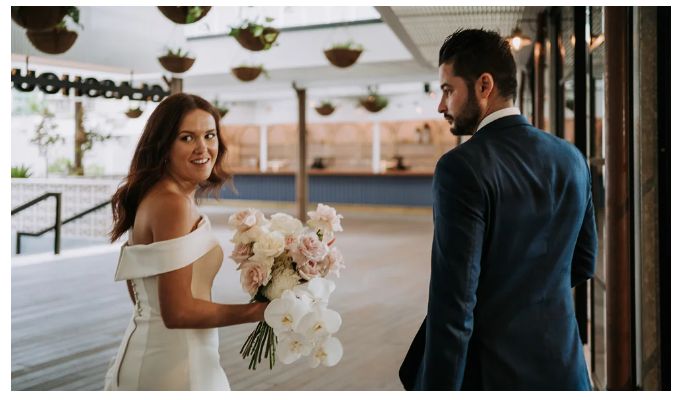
(485, 85)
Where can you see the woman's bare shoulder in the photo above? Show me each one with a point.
(166, 214)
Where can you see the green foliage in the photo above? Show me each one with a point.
(325, 103)
(348, 45)
(176, 53)
(21, 171)
(257, 29)
(74, 14)
(194, 13)
(222, 108)
(44, 136)
(61, 166)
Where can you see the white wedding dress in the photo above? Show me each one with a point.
(151, 356)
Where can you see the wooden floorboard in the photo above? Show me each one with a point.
(68, 316)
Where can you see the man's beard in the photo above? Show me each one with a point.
(468, 119)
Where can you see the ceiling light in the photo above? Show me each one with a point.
(517, 40)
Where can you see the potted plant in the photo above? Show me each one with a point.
(21, 171)
(373, 102)
(255, 36)
(176, 61)
(220, 107)
(38, 18)
(134, 112)
(247, 73)
(184, 14)
(325, 108)
(344, 54)
(58, 39)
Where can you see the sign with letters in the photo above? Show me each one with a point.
(50, 83)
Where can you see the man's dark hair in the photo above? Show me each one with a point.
(475, 51)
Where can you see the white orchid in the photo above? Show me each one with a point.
(291, 346)
(328, 352)
(318, 290)
(285, 313)
(319, 322)
(325, 219)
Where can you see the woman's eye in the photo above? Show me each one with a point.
(186, 138)
(210, 136)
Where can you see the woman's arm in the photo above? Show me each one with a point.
(179, 309)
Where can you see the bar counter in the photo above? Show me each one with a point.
(391, 187)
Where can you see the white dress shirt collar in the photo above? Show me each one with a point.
(504, 112)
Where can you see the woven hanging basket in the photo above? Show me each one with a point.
(38, 18)
(176, 64)
(256, 43)
(53, 41)
(178, 15)
(134, 113)
(372, 104)
(342, 58)
(247, 74)
(325, 109)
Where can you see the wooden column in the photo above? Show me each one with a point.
(301, 172)
(78, 141)
(539, 73)
(175, 84)
(617, 200)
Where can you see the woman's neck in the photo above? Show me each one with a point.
(185, 187)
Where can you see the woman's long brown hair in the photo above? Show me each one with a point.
(149, 161)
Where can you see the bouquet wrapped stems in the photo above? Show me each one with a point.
(262, 338)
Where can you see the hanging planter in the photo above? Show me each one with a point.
(343, 55)
(221, 108)
(254, 36)
(134, 112)
(325, 108)
(176, 61)
(53, 41)
(58, 39)
(373, 102)
(248, 73)
(38, 18)
(184, 14)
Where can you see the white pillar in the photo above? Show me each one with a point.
(263, 148)
(375, 162)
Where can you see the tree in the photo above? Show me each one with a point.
(44, 136)
(85, 139)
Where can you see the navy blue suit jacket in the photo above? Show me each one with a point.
(514, 231)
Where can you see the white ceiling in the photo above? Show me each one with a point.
(402, 49)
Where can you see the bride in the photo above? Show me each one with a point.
(171, 256)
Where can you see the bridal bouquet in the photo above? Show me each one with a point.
(285, 262)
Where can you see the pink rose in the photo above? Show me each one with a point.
(242, 252)
(253, 275)
(311, 248)
(246, 219)
(332, 263)
(309, 269)
(290, 242)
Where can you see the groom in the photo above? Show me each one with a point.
(514, 231)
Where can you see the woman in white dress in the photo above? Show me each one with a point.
(171, 256)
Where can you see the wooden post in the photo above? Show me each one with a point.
(617, 201)
(80, 139)
(539, 73)
(301, 172)
(174, 84)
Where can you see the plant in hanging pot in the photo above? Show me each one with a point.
(58, 39)
(134, 112)
(344, 54)
(247, 73)
(177, 61)
(325, 108)
(373, 102)
(184, 14)
(38, 18)
(255, 36)
(220, 107)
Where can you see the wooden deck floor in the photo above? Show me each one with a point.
(68, 316)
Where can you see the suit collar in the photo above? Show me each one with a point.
(503, 123)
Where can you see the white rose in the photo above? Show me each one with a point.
(246, 219)
(325, 219)
(285, 224)
(268, 245)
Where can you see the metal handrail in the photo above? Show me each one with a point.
(57, 220)
(59, 223)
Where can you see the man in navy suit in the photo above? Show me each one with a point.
(514, 231)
